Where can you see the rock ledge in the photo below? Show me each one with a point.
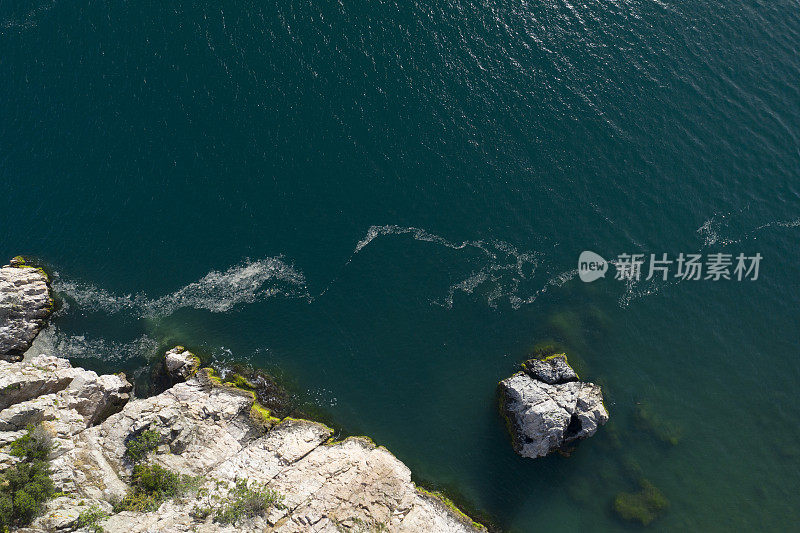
(25, 305)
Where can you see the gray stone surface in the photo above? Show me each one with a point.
(553, 369)
(207, 429)
(181, 364)
(25, 304)
(546, 409)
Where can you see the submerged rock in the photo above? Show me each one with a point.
(643, 506)
(25, 304)
(546, 408)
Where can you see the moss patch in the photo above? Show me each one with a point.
(447, 502)
(332, 441)
(21, 262)
(239, 381)
(259, 414)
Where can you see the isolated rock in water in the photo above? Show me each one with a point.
(25, 304)
(546, 408)
(181, 364)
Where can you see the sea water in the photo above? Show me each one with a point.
(385, 202)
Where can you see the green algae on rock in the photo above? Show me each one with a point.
(181, 364)
(643, 506)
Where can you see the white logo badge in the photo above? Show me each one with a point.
(591, 266)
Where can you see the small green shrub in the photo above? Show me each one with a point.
(137, 448)
(151, 485)
(26, 486)
(247, 501)
(90, 518)
(643, 506)
(34, 445)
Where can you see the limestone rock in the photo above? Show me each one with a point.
(25, 304)
(181, 364)
(98, 397)
(62, 513)
(553, 369)
(22, 382)
(546, 408)
(207, 429)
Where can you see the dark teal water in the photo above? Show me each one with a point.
(386, 201)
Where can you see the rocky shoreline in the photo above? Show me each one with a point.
(212, 431)
(203, 455)
(79, 453)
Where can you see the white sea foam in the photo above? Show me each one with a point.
(28, 20)
(780, 224)
(86, 295)
(556, 281)
(217, 292)
(505, 273)
(495, 271)
(247, 283)
(418, 235)
(635, 289)
(709, 232)
(52, 341)
(715, 232)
